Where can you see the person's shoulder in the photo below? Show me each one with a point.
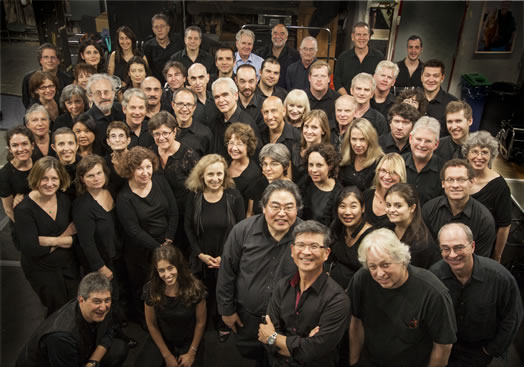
(434, 203)
(376, 53)
(426, 279)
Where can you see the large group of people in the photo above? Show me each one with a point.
(322, 227)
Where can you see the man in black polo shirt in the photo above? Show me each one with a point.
(269, 74)
(101, 90)
(176, 74)
(432, 78)
(360, 59)
(279, 51)
(134, 105)
(410, 69)
(250, 102)
(385, 76)
(192, 52)
(485, 295)
(308, 312)
(225, 93)
(275, 129)
(198, 79)
(158, 50)
(422, 165)
(363, 87)
(401, 119)
(457, 206)
(459, 118)
(297, 73)
(320, 96)
(191, 131)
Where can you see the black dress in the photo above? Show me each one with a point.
(115, 180)
(255, 193)
(318, 204)
(52, 275)
(362, 179)
(496, 196)
(376, 221)
(250, 175)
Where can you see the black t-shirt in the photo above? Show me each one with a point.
(13, 181)
(496, 196)
(361, 179)
(246, 179)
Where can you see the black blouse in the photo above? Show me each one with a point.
(13, 181)
(362, 179)
(496, 196)
(250, 175)
(377, 221)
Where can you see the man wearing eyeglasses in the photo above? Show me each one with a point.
(457, 206)
(485, 295)
(190, 131)
(256, 256)
(308, 312)
(459, 118)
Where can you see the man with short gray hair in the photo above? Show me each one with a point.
(245, 40)
(297, 73)
(385, 76)
(363, 87)
(134, 105)
(401, 315)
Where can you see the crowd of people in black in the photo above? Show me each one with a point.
(243, 190)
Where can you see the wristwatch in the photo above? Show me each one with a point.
(93, 363)
(272, 338)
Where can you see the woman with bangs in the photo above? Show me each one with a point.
(92, 53)
(360, 154)
(44, 87)
(126, 48)
(391, 170)
(296, 106)
(74, 102)
(136, 71)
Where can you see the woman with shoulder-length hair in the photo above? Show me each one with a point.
(44, 87)
(213, 207)
(175, 309)
(296, 105)
(46, 235)
(405, 213)
(74, 102)
(360, 154)
(92, 53)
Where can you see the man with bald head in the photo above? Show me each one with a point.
(275, 129)
(297, 73)
(198, 79)
(153, 89)
(485, 296)
(279, 50)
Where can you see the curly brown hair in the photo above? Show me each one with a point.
(245, 133)
(330, 155)
(134, 158)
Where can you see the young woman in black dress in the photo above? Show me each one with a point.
(175, 309)
(46, 235)
(84, 128)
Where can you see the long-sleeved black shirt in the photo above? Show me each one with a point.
(294, 314)
(488, 307)
(252, 264)
(349, 65)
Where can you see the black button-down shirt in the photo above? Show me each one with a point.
(295, 313)
(349, 65)
(204, 58)
(102, 122)
(404, 80)
(144, 139)
(277, 92)
(157, 56)
(437, 109)
(377, 120)
(488, 307)
(476, 216)
(207, 112)
(447, 149)
(297, 76)
(197, 136)
(389, 146)
(252, 264)
(326, 103)
(383, 107)
(427, 181)
(287, 57)
(253, 108)
(290, 136)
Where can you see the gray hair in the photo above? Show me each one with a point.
(481, 139)
(467, 231)
(230, 83)
(101, 76)
(312, 226)
(363, 77)
(245, 32)
(94, 282)
(383, 241)
(193, 28)
(426, 122)
(133, 92)
(281, 185)
(309, 38)
(69, 92)
(386, 64)
(277, 152)
(36, 108)
(185, 90)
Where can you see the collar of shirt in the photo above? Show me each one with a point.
(432, 165)
(99, 115)
(250, 60)
(477, 273)
(441, 97)
(316, 286)
(468, 208)
(330, 94)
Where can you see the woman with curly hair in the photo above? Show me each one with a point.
(175, 309)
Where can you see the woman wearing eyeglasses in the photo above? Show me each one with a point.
(489, 187)
(43, 87)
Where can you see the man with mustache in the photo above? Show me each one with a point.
(410, 69)
(101, 90)
(250, 102)
(153, 91)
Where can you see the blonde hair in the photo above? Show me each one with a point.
(398, 165)
(373, 153)
(195, 180)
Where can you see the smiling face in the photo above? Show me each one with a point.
(273, 170)
(49, 183)
(124, 41)
(236, 148)
(225, 60)
(135, 110)
(359, 144)
(83, 80)
(84, 136)
(244, 46)
(423, 143)
(184, 107)
(214, 176)
(280, 212)
(65, 147)
(96, 307)
(175, 79)
(414, 50)
(225, 99)
(317, 168)
(363, 91)
(309, 260)
(118, 140)
(75, 105)
(137, 74)
(458, 126)
(319, 79)
(432, 78)
(455, 248)
(198, 78)
(273, 113)
(143, 173)
(167, 272)
(295, 112)
(49, 60)
(192, 41)
(153, 91)
(46, 91)
(95, 178)
(479, 158)
(20, 147)
(270, 74)
(308, 51)
(279, 36)
(38, 123)
(164, 137)
(360, 37)
(312, 131)
(385, 271)
(350, 212)
(102, 94)
(91, 56)
(456, 183)
(398, 210)
(344, 112)
(387, 176)
(246, 80)
(385, 79)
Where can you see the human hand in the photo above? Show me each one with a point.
(265, 330)
(186, 360)
(106, 272)
(315, 330)
(171, 361)
(17, 199)
(214, 263)
(70, 230)
(230, 321)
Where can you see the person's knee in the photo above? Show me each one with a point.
(116, 355)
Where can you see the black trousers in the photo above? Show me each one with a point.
(468, 356)
(247, 338)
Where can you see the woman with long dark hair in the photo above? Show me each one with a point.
(175, 309)
(125, 49)
(92, 53)
(136, 71)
